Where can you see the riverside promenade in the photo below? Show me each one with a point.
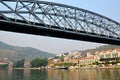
(97, 68)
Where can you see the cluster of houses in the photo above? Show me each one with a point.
(98, 58)
(101, 58)
(7, 62)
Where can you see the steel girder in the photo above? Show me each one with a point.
(58, 17)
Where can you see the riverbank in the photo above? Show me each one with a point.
(28, 68)
(105, 67)
(81, 68)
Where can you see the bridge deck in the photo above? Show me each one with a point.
(20, 28)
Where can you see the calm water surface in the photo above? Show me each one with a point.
(60, 74)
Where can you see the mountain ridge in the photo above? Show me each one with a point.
(15, 53)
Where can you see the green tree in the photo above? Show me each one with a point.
(4, 66)
(19, 64)
(62, 58)
(37, 62)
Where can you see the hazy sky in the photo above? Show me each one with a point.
(109, 8)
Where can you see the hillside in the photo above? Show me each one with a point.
(92, 51)
(100, 48)
(15, 53)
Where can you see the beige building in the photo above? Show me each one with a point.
(87, 60)
(116, 53)
(108, 54)
(102, 54)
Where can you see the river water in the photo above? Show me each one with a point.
(52, 74)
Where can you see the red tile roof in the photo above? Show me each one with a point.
(109, 51)
(73, 60)
(118, 49)
(103, 51)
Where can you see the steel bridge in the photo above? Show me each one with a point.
(57, 20)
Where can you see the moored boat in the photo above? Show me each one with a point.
(61, 67)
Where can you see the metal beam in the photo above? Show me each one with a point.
(59, 17)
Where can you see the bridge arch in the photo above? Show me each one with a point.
(57, 20)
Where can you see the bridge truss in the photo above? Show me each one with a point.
(58, 18)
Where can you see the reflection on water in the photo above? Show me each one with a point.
(51, 74)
